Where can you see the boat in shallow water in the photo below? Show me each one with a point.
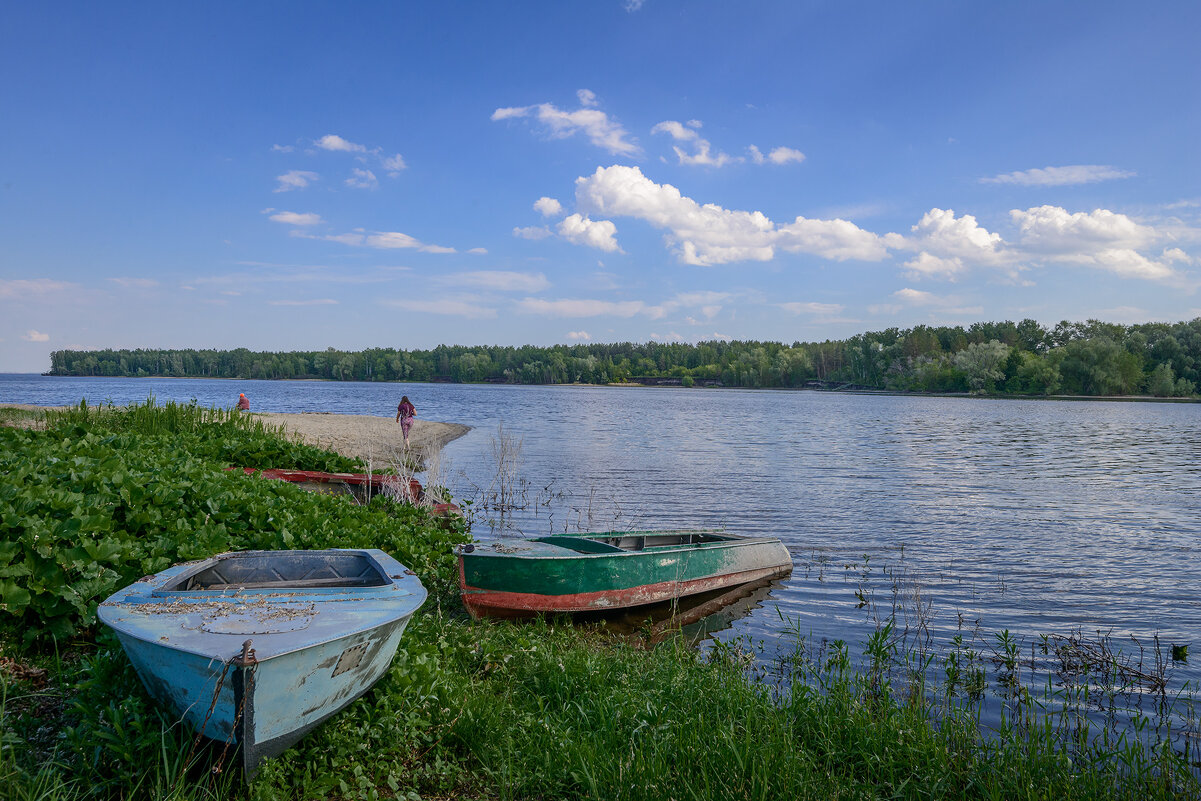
(259, 647)
(610, 570)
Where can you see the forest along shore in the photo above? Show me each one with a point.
(376, 441)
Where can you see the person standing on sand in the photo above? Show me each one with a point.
(243, 403)
(405, 412)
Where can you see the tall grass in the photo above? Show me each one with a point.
(167, 418)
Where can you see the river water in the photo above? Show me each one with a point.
(1033, 516)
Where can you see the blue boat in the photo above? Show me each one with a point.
(256, 648)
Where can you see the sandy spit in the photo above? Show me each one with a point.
(377, 441)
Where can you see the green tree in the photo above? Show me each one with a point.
(984, 364)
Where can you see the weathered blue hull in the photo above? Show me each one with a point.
(263, 659)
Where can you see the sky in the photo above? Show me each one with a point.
(297, 176)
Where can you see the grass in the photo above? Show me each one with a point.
(479, 710)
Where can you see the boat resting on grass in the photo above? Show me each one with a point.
(363, 486)
(610, 570)
(256, 648)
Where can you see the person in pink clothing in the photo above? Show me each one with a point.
(243, 403)
(405, 412)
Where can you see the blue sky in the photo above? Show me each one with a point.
(296, 176)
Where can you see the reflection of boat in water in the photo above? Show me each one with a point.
(610, 571)
(694, 617)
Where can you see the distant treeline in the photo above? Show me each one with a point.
(1090, 358)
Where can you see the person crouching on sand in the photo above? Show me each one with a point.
(243, 403)
(405, 412)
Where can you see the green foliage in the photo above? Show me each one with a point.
(84, 512)
(1088, 358)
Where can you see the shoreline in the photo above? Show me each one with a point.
(659, 383)
(376, 441)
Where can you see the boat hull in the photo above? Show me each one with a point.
(517, 584)
(261, 666)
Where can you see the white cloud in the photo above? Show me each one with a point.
(581, 230)
(579, 335)
(394, 164)
(587, 98)
(581, 307)
(534, 232)
(785, 155)
(135, 283)
(709, 234)
(926, 265)
(314, 302)
(24, 288)
(295, 179)
(295, 218)
(820, 309)
(450, 307)
(362, 179)
(502, 280)
(381, 240)
(779, 155)
(915, 297)
(948, 245)
(1102, 239)
(478, 251)
(669, 337)
(389, 240)
(1060, 176)
(1054, 230)
(592, 122)
(35, 336)
(548, 207)
(337, 143)
(282, 148)
(701, 155)
(721, 337)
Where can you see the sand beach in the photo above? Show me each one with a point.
(377, 441)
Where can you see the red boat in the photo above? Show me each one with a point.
(361, 485)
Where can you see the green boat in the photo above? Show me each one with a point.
(610, 570)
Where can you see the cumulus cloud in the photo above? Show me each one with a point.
(458, 307)
(1061, 176)
(579, 336)
(534, 232)
(313, 302)
(548, 207)
(1102, 239)
(701, 154)
(947, 245)
(337, 143)
(294, 179)
(35, 336)
(295, 218)
(591, 122)
(709, 234)
(581, 230)
(501, 280)
(282, 148)
(25, 288)
(362, 179)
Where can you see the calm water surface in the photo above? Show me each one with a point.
(1040, 517)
